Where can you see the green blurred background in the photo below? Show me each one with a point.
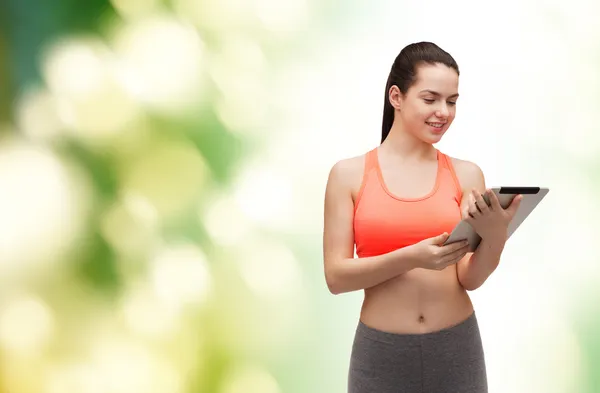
(162, 172)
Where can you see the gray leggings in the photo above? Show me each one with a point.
(450, 360)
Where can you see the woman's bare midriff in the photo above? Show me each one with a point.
(418, 301)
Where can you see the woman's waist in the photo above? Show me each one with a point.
(418, 301)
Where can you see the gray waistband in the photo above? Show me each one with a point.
(405, 338)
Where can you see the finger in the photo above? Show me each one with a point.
(438, 240)
(494, 202)
(469, 219)
(465, 246)
(514, 205)
(457, 255)
(471, 198)
(461, 251)
(480, 203)
(458, 259)
(465, 212)
(452, 247)
(467, 206)
(473, 212)
(476, 204)
(453, 259)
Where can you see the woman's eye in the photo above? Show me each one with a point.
(431, 101)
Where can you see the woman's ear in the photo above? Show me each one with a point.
(395, 97)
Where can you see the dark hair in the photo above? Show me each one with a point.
(404, 71)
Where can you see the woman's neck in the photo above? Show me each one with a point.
(404, 144)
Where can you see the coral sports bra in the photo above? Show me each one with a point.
(384, 222)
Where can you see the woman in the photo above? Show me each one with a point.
(397, 203)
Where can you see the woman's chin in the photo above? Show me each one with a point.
(432, 138)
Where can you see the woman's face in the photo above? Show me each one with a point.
(429, 106)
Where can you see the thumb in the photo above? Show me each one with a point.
(440, 239)
(514, 205)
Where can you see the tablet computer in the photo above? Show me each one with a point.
(532, 196)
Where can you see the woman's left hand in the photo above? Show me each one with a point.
(490, 221)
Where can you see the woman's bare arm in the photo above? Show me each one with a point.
(475, 268)
(343, 272)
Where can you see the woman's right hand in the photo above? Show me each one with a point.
(432, 254)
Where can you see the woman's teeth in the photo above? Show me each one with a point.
(436, 125)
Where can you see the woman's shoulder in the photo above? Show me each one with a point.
(468, 172)
(350, 166)
(348, 171)
(464, 165)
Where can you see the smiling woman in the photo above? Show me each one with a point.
(436, 84)
(396, 204)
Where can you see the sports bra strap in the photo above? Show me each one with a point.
(448, 164)
(370, 160)
(370, 163)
